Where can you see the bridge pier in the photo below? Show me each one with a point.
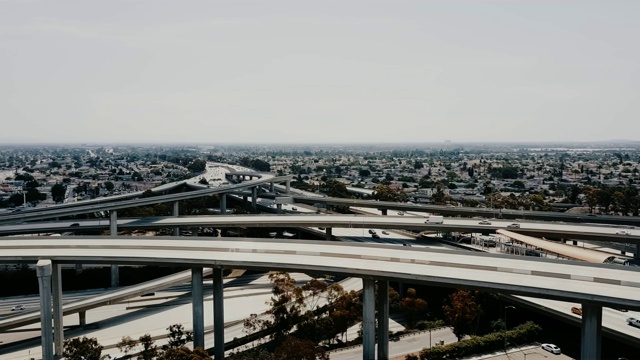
(82, 318)
(197, 304)
(591, 342)
(223, 204)
(44, 271)
(279, 208)
(254, 194)
(636, 254)
(113, 231)
(58, 325)
(176, 212)
(368, 320)
(329, 235)
(271, 187)
(383, 320)
(383, 211)
(218, 314)
(288, 183)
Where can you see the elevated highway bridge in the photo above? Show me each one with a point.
(592, 285)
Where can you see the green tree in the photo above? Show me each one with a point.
(413, 307)
(184, 353)
(57, 192)
(298, 349)
(149, 349)
(461, 312)
(177, 337)
(335, 188)
(126, 345)
(197, 165)
(388, 193)
(34, 196)
(82, 349)
(287, 303)
(109, 186)
(518, 185)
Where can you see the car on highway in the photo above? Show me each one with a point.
(294, 208)
(74, 225)
(320, 228)
(385, 232)
(633, 322)
(18, 308)
(514, 226)
(485, 222)
(551, 348)
(576, 310)
(371, 231)
(623, 232)
(400, 212)
(375, 236)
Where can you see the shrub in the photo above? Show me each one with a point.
(525, 333)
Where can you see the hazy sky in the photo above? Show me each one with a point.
(318, 71)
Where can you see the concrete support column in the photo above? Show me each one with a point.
(329, 235)
(368, 320)
(113, 222)
(44, 271)
(636, 255)
(383, 320)
(288, 182)
(58, 326)
(271, 187)
(113, 231)
(254, 195)
(197, 304)
(194, 232)
(244, 199)
(383, 211)
(590, 344)
(82, 318)
(78, 268)
(176, 212)
(279, 208)
(223, 204)
(574, 242)
(218, 314)
(115, 276)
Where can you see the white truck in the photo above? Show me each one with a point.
(633, 322)
(434, 219)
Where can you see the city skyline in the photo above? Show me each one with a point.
(332, 73)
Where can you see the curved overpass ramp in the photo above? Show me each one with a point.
(568, 231)
(605, 285)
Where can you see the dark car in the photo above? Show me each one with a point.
(74, 225)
